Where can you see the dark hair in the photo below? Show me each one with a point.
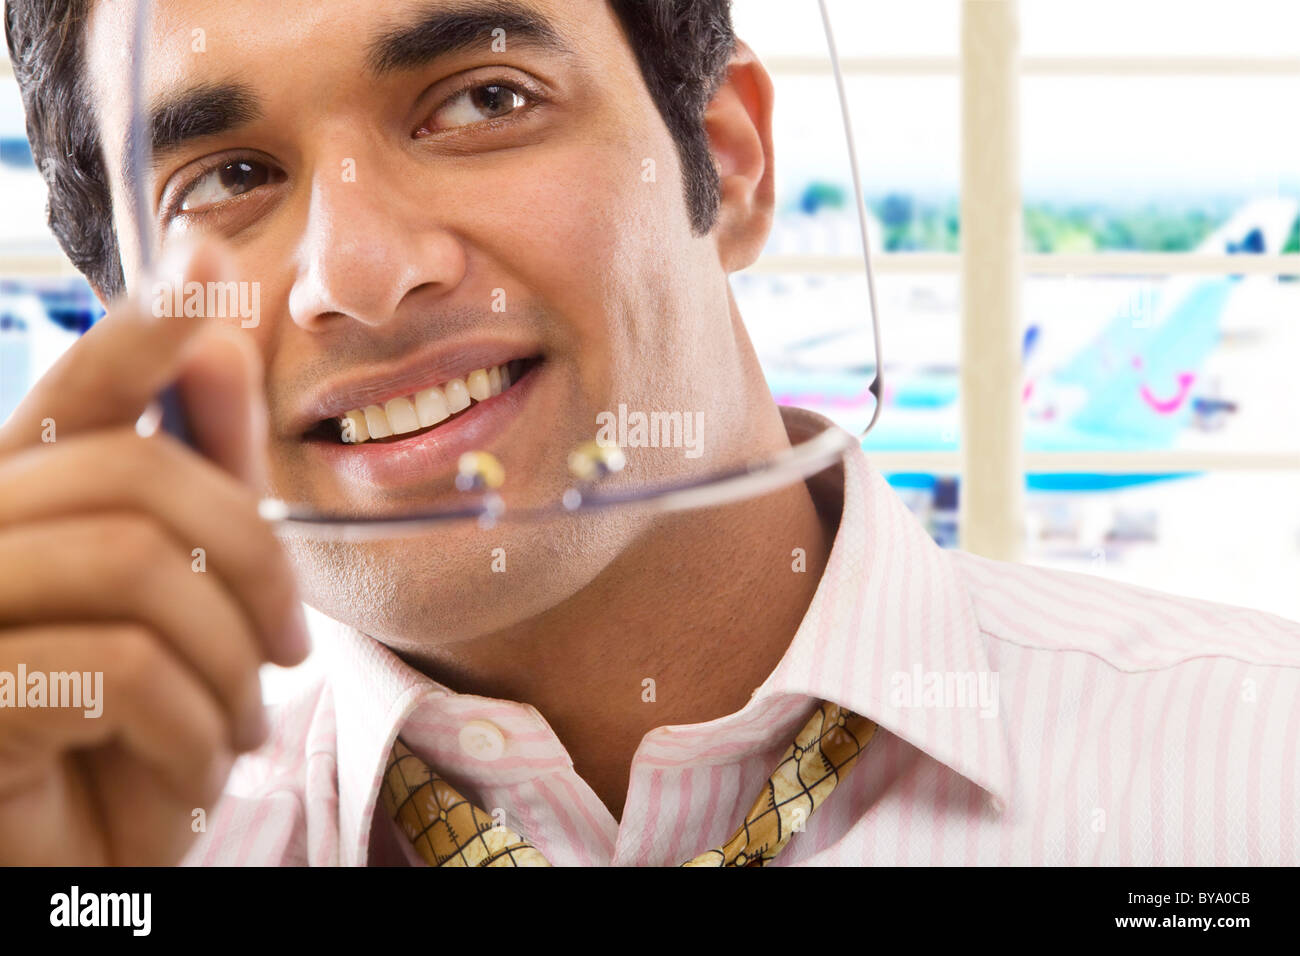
(682, 47)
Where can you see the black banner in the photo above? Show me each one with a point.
(239, 907)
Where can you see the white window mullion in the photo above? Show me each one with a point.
(1079, 264)
(991, 500)
(1045, 65)
(1158, 461)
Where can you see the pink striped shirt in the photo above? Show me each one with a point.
(1028, 716)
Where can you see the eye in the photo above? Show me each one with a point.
(476, 104)
(224, 182)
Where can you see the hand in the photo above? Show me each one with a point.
(99, 574)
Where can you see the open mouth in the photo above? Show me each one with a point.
(424, 411)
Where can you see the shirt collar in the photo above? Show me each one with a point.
(891, 634)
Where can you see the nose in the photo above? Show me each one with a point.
(365, 248)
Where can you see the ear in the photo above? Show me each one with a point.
(738, 122)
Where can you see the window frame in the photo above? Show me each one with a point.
(993, 526)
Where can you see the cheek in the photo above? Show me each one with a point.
(588, 223)
(588, 233)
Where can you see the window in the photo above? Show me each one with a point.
(1157, 321)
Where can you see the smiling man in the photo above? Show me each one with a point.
(485, 227)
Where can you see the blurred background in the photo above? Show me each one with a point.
(1150, 429)
(1147, 153)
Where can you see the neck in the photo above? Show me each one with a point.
(587, 664)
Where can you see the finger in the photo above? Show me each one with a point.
(221, 388)
(151, 708)
(126, 568)
(147, 823)
(144, 694)
(200, 506)
(114, 371)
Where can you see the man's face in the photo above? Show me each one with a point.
(412, 209)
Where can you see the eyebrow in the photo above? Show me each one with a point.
(203, 110)
(439, 30)
(442, 29)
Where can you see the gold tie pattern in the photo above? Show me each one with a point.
(448, 830)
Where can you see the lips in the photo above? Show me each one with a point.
(378, 381)
(410, 461)
(404, 416)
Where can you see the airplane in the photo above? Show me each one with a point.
(1139, 383)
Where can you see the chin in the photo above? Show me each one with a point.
(458, 584)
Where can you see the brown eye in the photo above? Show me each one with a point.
(495, 100)
(225, 182)
(476, 105)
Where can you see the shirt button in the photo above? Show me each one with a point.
(482, 740)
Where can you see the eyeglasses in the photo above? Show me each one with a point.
(596, 479)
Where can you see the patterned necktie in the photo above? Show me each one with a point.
(448, 830)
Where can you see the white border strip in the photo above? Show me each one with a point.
(1098, 462)
(1046, 66)
(1050, 264)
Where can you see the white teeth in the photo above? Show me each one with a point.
(410, 413)
(477, 385)
(431, 406)
(354, 427)
(457, 395)
(377, 422)
(401, 416)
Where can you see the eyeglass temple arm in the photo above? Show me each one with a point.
(859, 201)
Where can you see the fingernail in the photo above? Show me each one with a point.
(176, 256)
(168, 270)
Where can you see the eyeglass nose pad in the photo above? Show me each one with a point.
(590, 462)
(479, 471)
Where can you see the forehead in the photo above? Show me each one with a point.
(193, 37)
(286, 43)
